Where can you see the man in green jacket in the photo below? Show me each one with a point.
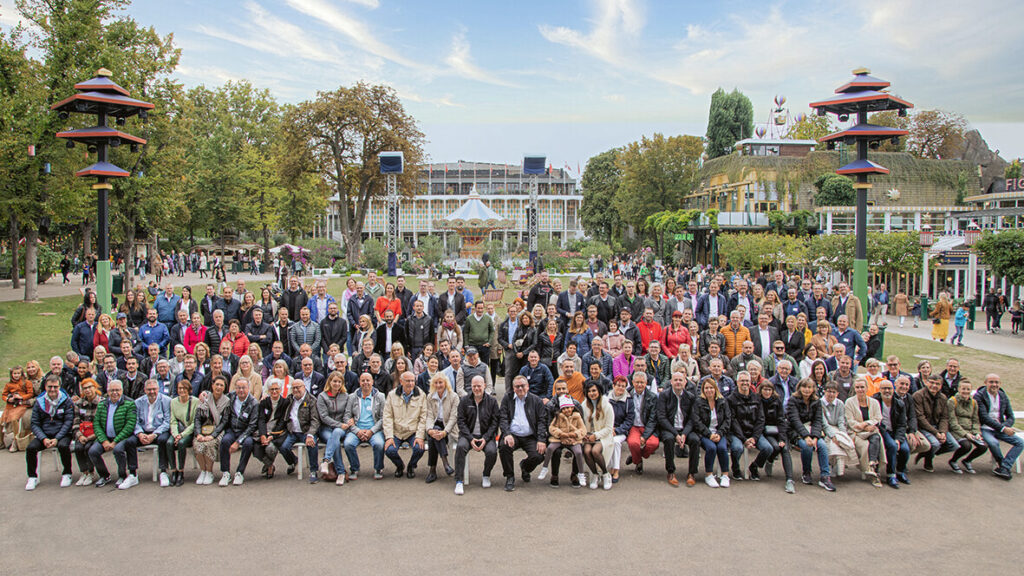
(114, 423)
(478, 331)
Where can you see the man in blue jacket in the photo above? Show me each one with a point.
(53, 416)
(996, 416)
(153, 426)
(83, 334)
(318, 304)
(166, 304)
(850, 338)
(711, 304)
(153, 332)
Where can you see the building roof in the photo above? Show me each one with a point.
(474, 214)
(777, 142)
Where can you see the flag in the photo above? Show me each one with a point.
(578, 171)
(446, 168)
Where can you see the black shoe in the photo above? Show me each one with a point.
(826, 483)
(554, 482)
(510, 484)
(291, 469)
(176, 478)
(754, 475)
(525, 475)
(903, 479)
(736, 474)
(893, 483)
(1003, 473)
(102, 482)
(629, 460)
(410, 473)
(431, 477)
(399, 472)
(806, 479)
(640, 467)
(928, 468)
(449, 470)
(575, 481)
(312, 478)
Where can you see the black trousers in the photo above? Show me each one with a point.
(490, 455)
(668, 443)
(36, 446)
(527, 444)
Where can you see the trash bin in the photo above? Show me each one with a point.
(924, 308)
(236, 266)
(117, 282)
(972, 313)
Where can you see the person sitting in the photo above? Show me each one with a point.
(153, 426)
(442, 417)
(19, 398)
(566, 430)
(366, 410)
(675, 427)
(182, 429)
(523, 424)
(622, 404)
(996, 417)
(53, 419)
(710, 420)
(716, 374)
(331, 406)
(84, 433)
(643, 433)
(840, 444)
(405, 417)
(599, 418)
(236, 429)
(747, 414)
(965, 426)
(114, 423)
(776, 433)
(933, 420)
(271, 425)
(803, 410)
(213, 407)
(478, 421)
(863, 415)
(893, 429)
(303, 425)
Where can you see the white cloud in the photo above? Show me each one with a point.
(615, 20)
(461, 63)
(355, 30)
(9, 15)
(267, 33)
(374, 4)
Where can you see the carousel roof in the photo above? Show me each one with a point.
(474, 214)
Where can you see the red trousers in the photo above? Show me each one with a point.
(633, 440)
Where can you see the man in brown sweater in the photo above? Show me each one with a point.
(933, 421)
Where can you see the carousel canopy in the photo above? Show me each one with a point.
(474, 214)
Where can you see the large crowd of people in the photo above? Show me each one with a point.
(601, 373)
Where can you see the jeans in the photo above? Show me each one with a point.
(177, 454)
(807, 452)
(895, 458)
(161, 448)
(993, 438)
(376, 442)
(668, 440)
(712, 449)
(529, 445)
(462, 449)
(121, 456)
(737, 447)
(333, 437)
(245, 445)
(958, 336)
(787, 458)
(291, 438)
(938, 447)
(36, 446)
(392, 453)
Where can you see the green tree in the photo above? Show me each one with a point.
(834, 190)
(431, 249)
(600, 183)
(657, 173)
(832, 251)
(812, 127)
(374, 254)
(344, 131)
(936, 134)
(1012, 169)
(758, 250)
(730, 119)
(894, 252)
(891, 119)
(1004, 252)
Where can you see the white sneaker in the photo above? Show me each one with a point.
(582, 478)
(202, 478)
(120, 481)
(459, 491)
(323, 468)
(31, 484)
(209, 478)
(65, 481)
(341, 480)
(486, 482)
(164, 480)
(81, 479)
(131, 480)
(723, 482)
(593, 481)
(225, 478)
(710, 481)
(87, 479)
(607, 481)
(543, 473)
(239, 479)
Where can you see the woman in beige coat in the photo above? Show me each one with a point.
(442, 424)
(901, 306)
(863, 414)
(599, 417)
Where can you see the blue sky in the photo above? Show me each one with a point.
(491, 80)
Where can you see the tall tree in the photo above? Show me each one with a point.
(936, 134)
(834, 190)
(600, 183)
(730, 119)
(812, 127)
(657, 173)
(344, 131)
(1004, 252)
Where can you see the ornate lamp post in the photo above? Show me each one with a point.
(391, 165)
(926, 238)
(102, 97)
(861, 95)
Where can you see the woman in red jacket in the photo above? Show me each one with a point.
(195, 333)
(675, 335)
(239, 342)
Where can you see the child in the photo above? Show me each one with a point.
(916, 310)
(566, 430)
(1016, 317)
(959, 322)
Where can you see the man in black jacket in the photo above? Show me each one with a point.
(294, 298)
(673, 414)
(333, 329)
(419, 329)
(453, 300)
(259, 332)
(524, 426)
(216, 333)
(229, 305)
(388, 334)
(478, 419)
(997, 425)
(238, 424)
(540, 293)
(893, 428)
(747, 412)
(281, 329)
(208, 304)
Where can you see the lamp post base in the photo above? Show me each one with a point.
(104, 285)
(860, 289)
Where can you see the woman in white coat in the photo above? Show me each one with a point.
(600, 420)
(863, 414)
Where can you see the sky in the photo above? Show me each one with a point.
(489, 81)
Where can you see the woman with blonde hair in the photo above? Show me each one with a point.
(34, 374)
(711, 420)
(940, 315)
(281, 376)
(442, 419)
(104, 324)
(246, 370)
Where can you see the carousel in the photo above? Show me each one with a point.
(473, 222)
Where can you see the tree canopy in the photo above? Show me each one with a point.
(600, 183)
(730, 119)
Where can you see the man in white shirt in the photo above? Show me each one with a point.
(153, 427)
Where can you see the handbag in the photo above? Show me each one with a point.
(936, 321)
(330, 475)
(86, 428)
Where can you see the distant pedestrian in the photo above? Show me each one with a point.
(959, 323)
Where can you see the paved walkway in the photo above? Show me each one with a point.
(52, 288)
(1001, 343)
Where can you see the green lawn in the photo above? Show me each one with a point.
(25, 334)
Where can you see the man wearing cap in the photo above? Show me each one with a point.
(478, 421)
(523, 424)
(472, 367)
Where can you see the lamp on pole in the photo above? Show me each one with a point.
(926, 238)
(391, 165)
(533, 166)
(103, 98)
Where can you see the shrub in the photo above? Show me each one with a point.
(374, 255)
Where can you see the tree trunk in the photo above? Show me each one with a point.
(31, 265)
(266, 247)
(15, 271)
(353, 247)
(129, 257)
